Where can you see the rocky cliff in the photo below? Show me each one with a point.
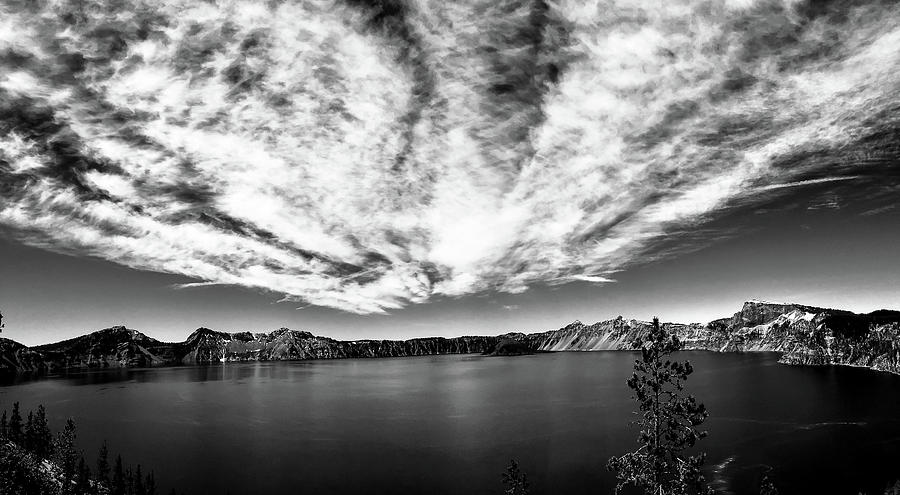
(119, 347)
(803, 334)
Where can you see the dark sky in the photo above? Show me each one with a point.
(399, 169)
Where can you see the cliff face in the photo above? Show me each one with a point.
(119, 347)
(615, 334)
(16, 357)
(803, 334)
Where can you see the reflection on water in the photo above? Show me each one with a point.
(450, 424)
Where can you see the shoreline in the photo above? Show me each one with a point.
(29, 375)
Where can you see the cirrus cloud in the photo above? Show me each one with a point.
(368, 156)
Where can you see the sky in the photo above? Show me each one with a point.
(410, 168)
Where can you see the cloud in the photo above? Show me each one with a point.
(878, 211)
(592, 278)
(365, 157)
(808, 182)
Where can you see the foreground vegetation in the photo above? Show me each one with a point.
(35, 462)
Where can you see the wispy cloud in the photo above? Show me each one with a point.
(365, 160)
(809, 182)
(592, 278)
(878, 211)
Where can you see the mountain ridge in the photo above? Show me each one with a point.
(805, 335)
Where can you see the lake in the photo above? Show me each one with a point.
(450, 424)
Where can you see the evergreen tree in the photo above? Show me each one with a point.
(129, 481)
(151, 484)
(103, 465)
(139, 482)
(82, 478)
(41, 435)
(28, 439)
(64, 453)
(515, 481)
(766, 486)
(3, 426)
(118, 481)
(669, 421)
(15, 424)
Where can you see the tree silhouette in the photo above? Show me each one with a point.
(42, 437)
(103, 464)
(28, 439)
(139, 482)
(15, 424)
(83, 477)
(668, 422)
(515, 481)
(64, 453)
(766, 486)
(118, 482)
(151, 484)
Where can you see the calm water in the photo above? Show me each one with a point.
(450, 424)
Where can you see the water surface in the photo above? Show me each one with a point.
(450, 424)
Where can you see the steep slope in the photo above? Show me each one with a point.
(111, 347)
(804, 334)
(15, 356)
(614, 334)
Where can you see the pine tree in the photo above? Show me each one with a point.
(42, 436)
(15, 424)
(103, 465)
(669, 421)
(129, 481)
(515, 481)
(64, 453)
(28, 439)
(118, 481)
(83, 477)
(151, 484)
(139, 482)
(766, 486)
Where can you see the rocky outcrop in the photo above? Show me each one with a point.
(17, 357)
(803, 334)
(614, 334)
